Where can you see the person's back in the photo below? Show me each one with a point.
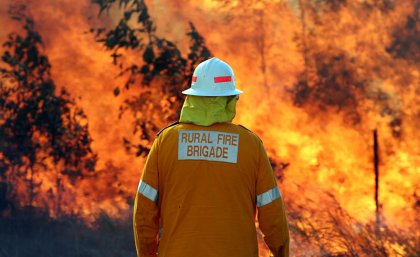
(202, 181)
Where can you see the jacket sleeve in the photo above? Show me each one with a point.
(271, 214)
(146, 211)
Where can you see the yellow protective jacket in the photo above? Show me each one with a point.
(199, 192)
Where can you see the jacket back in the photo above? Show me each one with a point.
(201, 187)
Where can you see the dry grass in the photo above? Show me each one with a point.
(330, 231)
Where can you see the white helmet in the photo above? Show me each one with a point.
(213, 77)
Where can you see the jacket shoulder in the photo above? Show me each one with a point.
(250, 132)
(170, 125)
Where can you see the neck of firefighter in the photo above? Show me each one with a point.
(208, 110)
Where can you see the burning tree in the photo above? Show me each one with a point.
(44, 137)
(160, 69)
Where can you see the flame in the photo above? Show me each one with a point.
(326, 152)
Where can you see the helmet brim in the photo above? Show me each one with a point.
(195, 92)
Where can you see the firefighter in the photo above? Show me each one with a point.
(205, 178)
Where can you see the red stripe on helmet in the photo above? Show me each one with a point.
(222, 79)
(194, 79)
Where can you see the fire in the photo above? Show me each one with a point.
(325, 135)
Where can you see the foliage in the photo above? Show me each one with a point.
(161, 73)
(41, 128)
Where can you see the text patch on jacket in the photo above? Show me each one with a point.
(208, 145)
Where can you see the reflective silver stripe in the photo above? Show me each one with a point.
(268, 196)
(148, 191)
